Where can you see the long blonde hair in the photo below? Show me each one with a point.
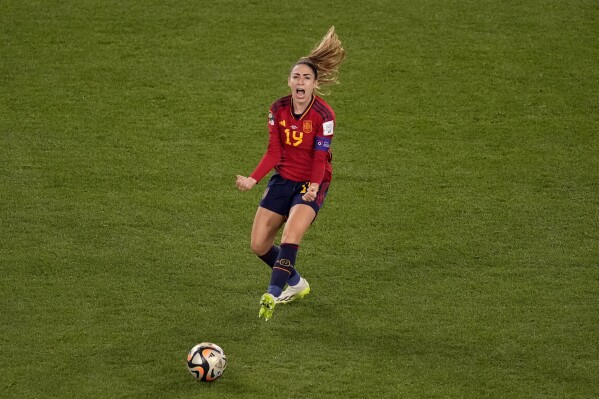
(324, 59)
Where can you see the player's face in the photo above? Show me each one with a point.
(302, 83)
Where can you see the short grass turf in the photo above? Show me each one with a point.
(456, 255)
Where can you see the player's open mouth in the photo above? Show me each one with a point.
(300, 92)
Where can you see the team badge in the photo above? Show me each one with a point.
(307, 127)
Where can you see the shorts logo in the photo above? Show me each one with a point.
(307, 127)
(327, 128)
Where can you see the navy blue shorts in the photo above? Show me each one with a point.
(282, 194)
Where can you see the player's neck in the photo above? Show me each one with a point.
(299, 107)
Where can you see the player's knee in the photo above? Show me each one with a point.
(259, 248)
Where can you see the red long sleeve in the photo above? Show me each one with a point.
(270, 159)
(319, 166)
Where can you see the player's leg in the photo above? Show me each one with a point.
(283, 272)
(264, 230)
(270, 216)
(298, 287)
(300, 220)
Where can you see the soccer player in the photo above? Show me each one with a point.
(301, 127)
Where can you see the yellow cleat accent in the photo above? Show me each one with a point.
(267, 306)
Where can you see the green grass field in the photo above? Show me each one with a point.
(457, 255)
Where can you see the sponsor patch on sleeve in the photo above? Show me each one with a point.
(271, 119)
(327, 128)
(322, 143)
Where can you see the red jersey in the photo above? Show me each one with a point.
(299, 147)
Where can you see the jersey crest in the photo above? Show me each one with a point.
(307, 128)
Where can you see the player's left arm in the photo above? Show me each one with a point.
(322, 145)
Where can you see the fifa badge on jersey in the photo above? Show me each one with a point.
(327, 128)
(271, 119)
(307, 127)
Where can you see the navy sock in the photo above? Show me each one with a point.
(294, 277)
(271, 257)
(283, 269)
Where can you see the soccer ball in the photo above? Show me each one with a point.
(206, 361)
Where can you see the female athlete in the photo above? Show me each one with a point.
(301, 127)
